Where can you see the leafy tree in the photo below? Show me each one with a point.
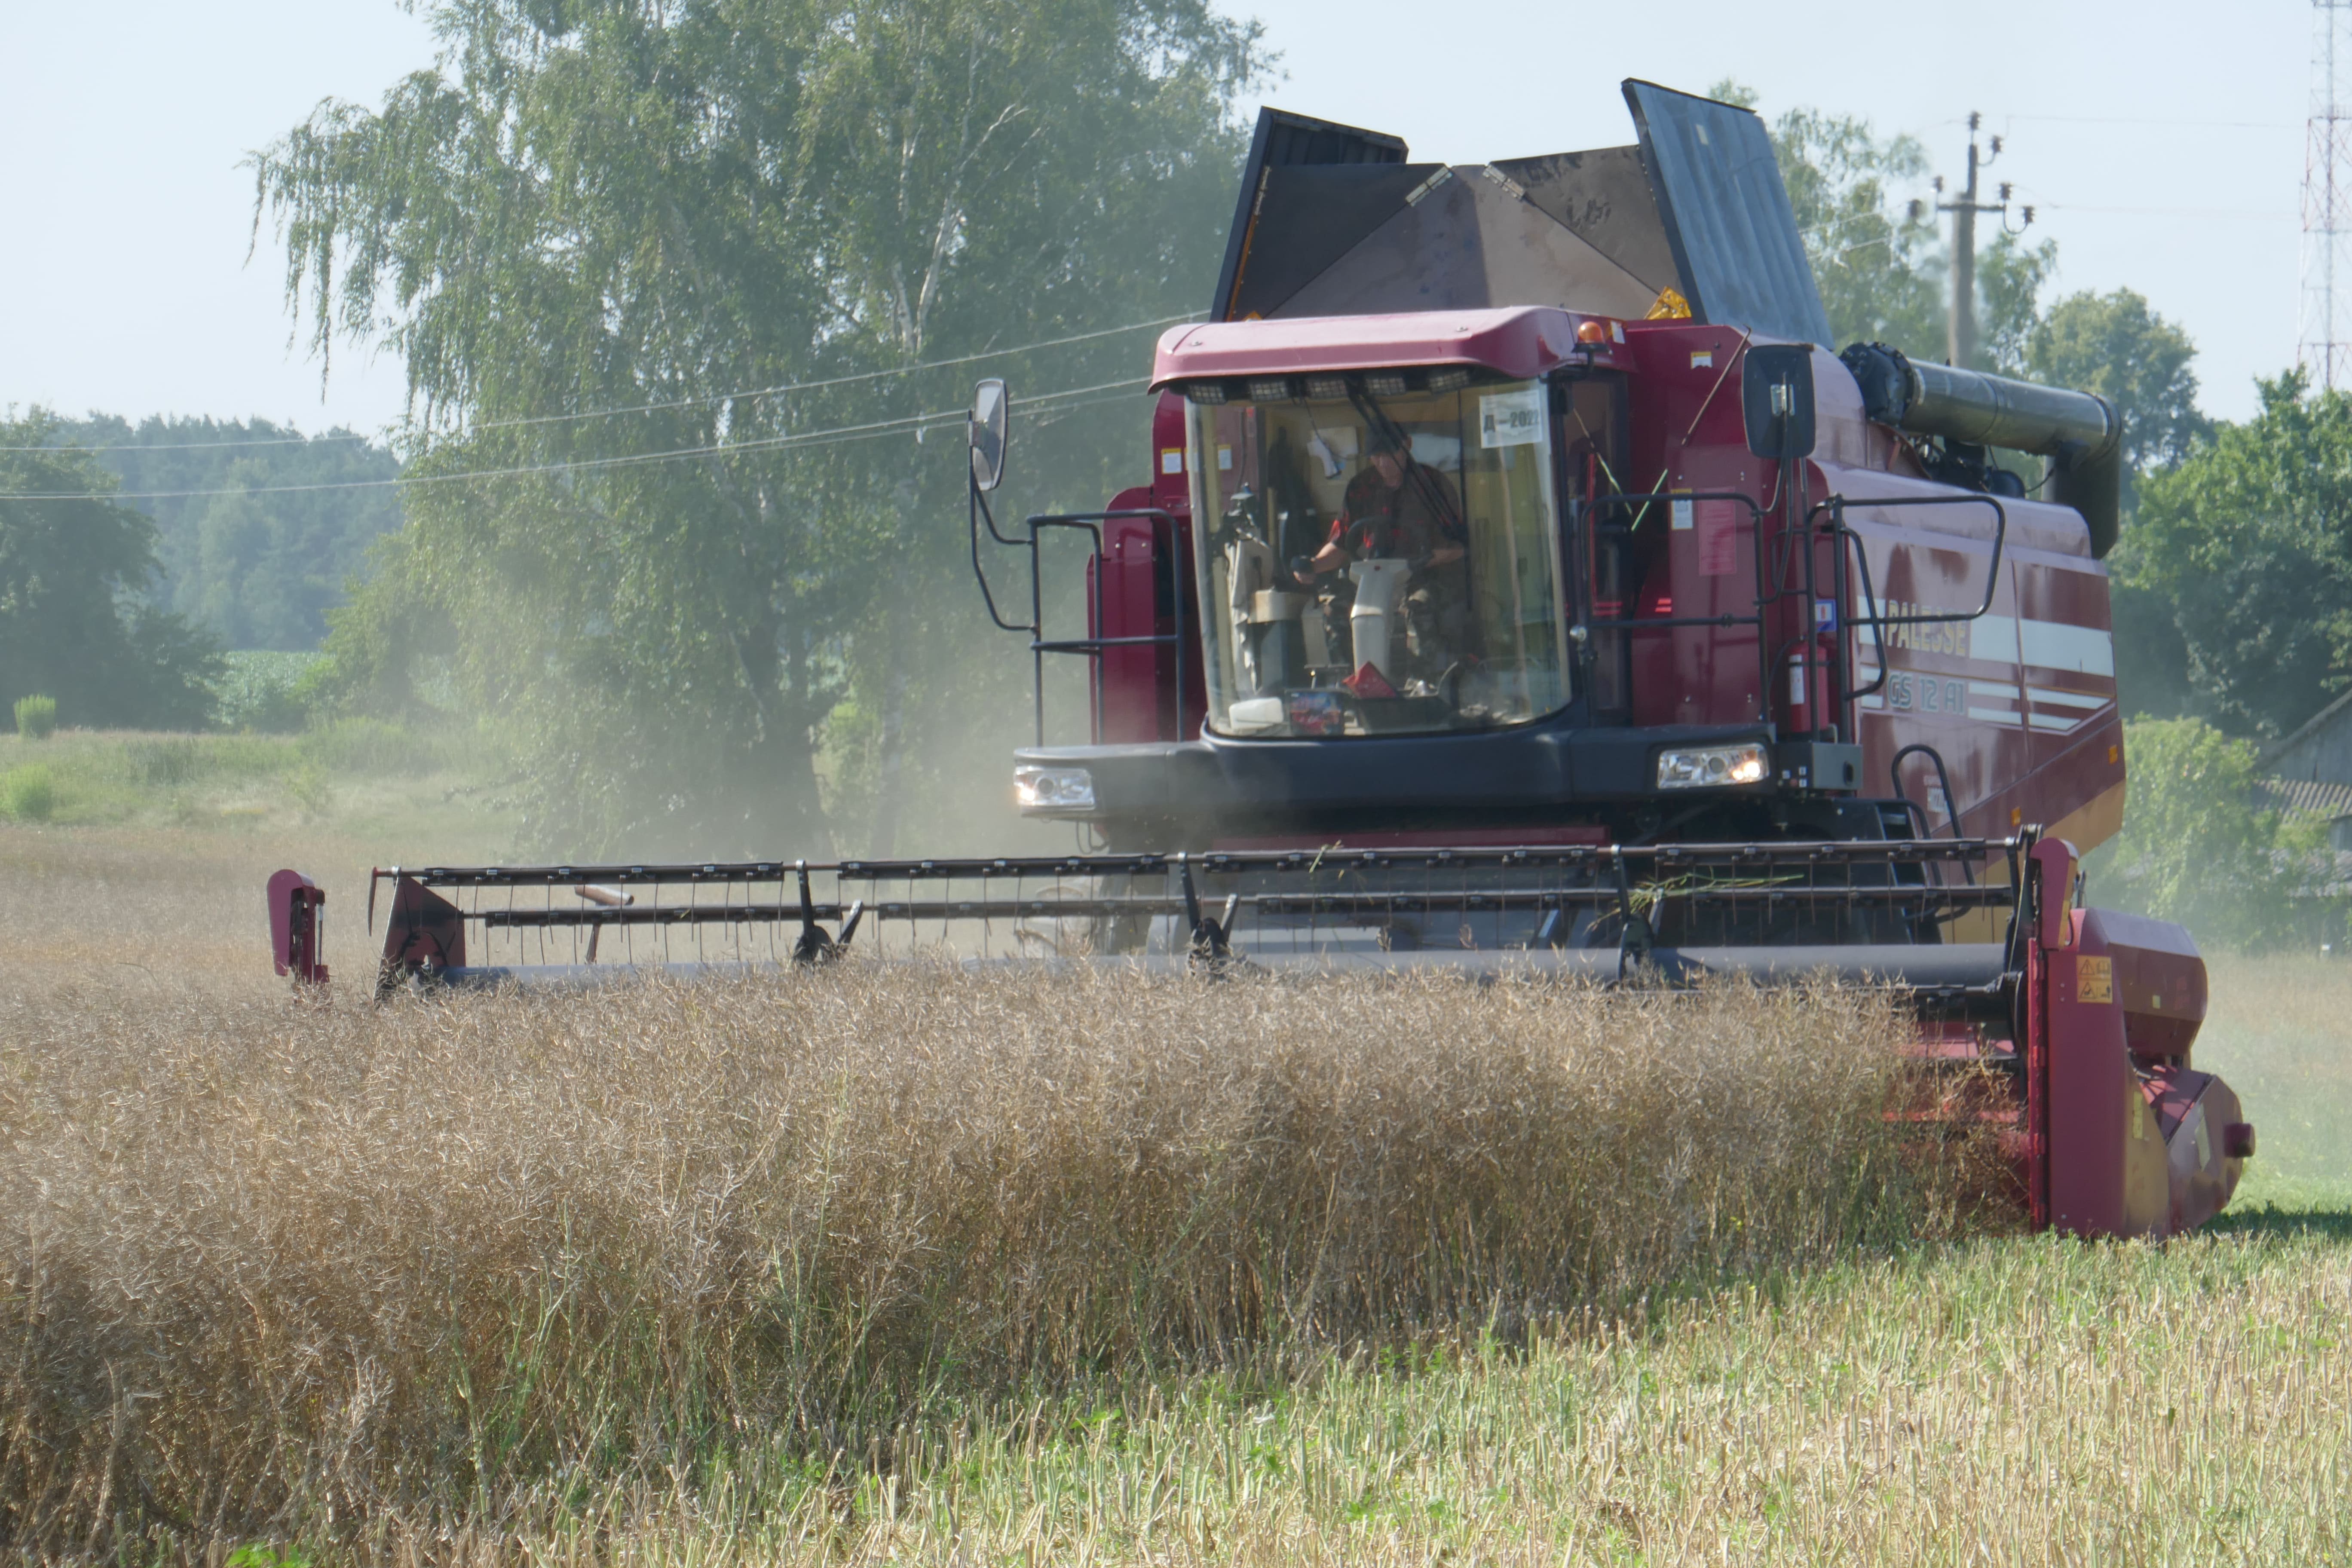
(74, 623)
(2196, 846)
(614, 206)
(1862, 204)
(259, 565)
(2011, 275)
(259, 688)
(1881, 267)
(2112, 344)
(2249, 542)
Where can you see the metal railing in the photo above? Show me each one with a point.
(1036, 527)
(1846, 542)
(1587, 610)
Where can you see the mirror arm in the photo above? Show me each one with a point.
(979, 510)
(989, 516)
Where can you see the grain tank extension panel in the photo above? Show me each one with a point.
(1734, 236)
(1334, 221)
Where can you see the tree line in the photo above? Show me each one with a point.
(258, 527)
(153, 610)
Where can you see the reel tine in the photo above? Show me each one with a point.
(815, 946)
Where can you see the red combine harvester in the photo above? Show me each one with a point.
(1522, 586)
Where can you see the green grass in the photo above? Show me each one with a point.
(122, 778)
(28, 793)
(2280, 1029)
(2029, 1401)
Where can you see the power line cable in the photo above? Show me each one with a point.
(904, 425)
(647, 407)
(203, 445)
(2170, 212)
(837, 380)
(2168, 123)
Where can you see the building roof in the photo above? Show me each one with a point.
(2328, 718)
(2317, 796)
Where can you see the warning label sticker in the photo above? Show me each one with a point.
(1718, 538)
(2094, 979)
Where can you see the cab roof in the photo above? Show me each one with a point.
(1518, 340)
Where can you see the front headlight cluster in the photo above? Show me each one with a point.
(1053, 789)
(1709, 767)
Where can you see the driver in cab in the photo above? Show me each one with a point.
(1403, 510)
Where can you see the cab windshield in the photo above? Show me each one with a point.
(1381, 561)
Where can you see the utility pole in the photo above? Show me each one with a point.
(1960, 342)
(2322, 348)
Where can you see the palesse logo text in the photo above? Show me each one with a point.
(1949, 638)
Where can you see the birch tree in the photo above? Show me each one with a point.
(602, 234)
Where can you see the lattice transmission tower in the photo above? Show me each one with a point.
(2324, 346)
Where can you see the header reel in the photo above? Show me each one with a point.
(1604, 911)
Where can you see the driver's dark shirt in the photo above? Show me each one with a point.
(1375, 520)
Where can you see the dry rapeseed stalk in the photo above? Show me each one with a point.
(276, 1268)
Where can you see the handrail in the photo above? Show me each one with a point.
(1090, 524)
(1837, 505)
(979, 510)
(1877, 627)
(1591, 505)
(1755, 515)
(1840, 531)
(1952, 813)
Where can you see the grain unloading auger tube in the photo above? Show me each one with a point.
(2083, 1019)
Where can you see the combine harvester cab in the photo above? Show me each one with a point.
(1521, 585)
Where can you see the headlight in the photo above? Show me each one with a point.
(1709, 766)
(1053, 789)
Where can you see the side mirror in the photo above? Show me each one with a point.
(1776, 395)
(988, 433)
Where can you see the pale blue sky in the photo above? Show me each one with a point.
(2163, 143)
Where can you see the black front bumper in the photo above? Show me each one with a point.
(1556, 773)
